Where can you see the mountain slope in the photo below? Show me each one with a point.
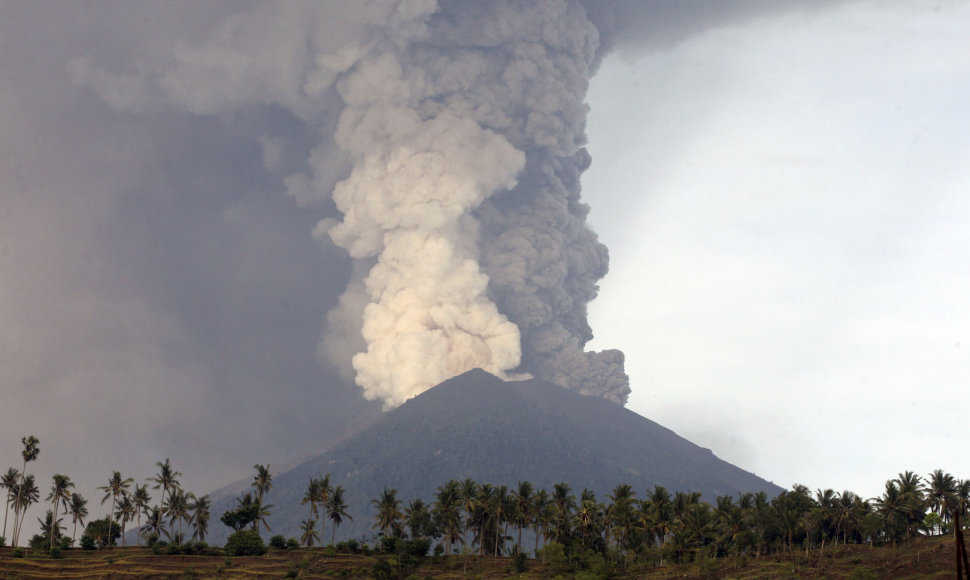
(478, 426)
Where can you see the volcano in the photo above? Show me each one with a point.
(501, 432)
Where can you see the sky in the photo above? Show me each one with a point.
(779, 192)
(785, 205)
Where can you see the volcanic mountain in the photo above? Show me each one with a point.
(493, 431)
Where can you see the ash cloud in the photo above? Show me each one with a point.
(449, 140)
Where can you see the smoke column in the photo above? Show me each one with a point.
(450, 138)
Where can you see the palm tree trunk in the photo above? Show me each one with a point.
(6, 511)
(109, 519)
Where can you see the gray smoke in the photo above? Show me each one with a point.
(449, 135)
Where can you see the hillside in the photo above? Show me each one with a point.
(478, 426)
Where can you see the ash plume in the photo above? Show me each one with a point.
(449, 139)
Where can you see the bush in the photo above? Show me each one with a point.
(65, 543)
(3, 541)
(278, 542)
(151, 540)
(348, 547)
(245, 543)
(88, 543)
(292, 544)
(19, 553)
(518, 563)
(382, 569)
(56, 553)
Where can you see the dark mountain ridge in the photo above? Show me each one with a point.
(480, 427)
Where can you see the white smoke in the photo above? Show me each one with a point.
(449, 136)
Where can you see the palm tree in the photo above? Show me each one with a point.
(139, 500)
(942, 489)
(153, 521)
(78, 508)
(51, 526)
(309, 529)
(125, 512)
(563, 503)
(620, 514)
(911, 489)
(115, 488)
(262, 482)
(388, 511)
(27, 495)
(524, 496)
(59, 492)
(337, 510)
(200, 509)
(30, 452)
(541, 515)
(417, 518)
(177, 509)
(166, 478)
(311, 495)
(468, 492)
(9, 481)
(447, 513)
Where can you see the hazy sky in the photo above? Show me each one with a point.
(779, 193)
(785, 201)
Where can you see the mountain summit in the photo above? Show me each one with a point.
(478, 426)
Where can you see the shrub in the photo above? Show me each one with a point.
(518, 563)
(19, 553)
(65, 543)
(151, 540)
(382, 569)
(278, 542)
(245, 543)
(56, 553)
(3, 541)
(292, 544)
(88, 543)
(348, 547)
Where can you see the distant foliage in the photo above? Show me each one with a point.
(245, 543)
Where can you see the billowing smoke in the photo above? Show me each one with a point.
(449, 136)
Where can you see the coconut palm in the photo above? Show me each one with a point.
(115, 488)
(262, 483)
(78, 508)
(447, 514)
(9, 481)
(337, 510)
(51, 526)
(200, 509)
(27, 495)
(177, 509)
(468, 492)
(311, 495)
(541, 511)
(153, 521)
(166, 478)
(388, 511)
(523, 496)
(139, 500)
(417, 518)
(310, 535)
(124, 513)
(941, 490)
(29, 453)
(59, 492)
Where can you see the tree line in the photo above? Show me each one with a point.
(476, 517)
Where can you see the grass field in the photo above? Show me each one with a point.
(925, 558)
